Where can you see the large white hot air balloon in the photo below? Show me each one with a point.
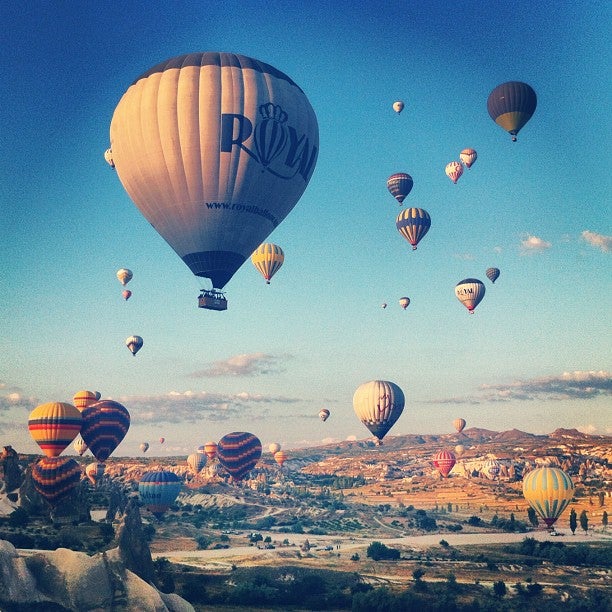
(378, 404)
(215, 149)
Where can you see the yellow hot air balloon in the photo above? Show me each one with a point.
(84, 398)
(378, 404)
(215, 149)
(280, 457)
(108, 156)
(548, 490)
(459, 424)
(54, 425)
(268, 258)
(274, 447)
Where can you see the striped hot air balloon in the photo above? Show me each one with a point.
(492, 274)
(413, 224)
(238, 452)
(134, 343)
(105, 424)
(378, 404)
(470, 292)
(548, 490)
(54, 425)
(491, 469)
(280, 457)
(267, 259)
(158, 490)
(196, 461)
(210, 450)
(400, 185)
(55, 477)
(124, 276)
(444, 462)
(511, 105)
(459, 424)
(82, 399)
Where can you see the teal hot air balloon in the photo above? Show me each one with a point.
(511, 105)
(105, 424)
(55, 477)
(215, 149)
(548, 490)
(400, 185)
(413, 224)
(378, 404)
(238, 452)
(159, 490)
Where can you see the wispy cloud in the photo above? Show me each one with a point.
(192, 406)
(253, 364)
(14, 397)
(532, 245)
(600, 241)
(577, 385)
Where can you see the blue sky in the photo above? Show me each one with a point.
(536, 354)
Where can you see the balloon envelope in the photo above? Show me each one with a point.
(324, 414)
(159, 490)
(492, 274)
(491, 469)
(134, 343)
(413, 224)
(398, 106)
(459, 424)
(470, 292)
(210, 449)
(459, 450)
(274, 447)
(378, 404)
(511, 105)
(238, 452)
(454, 170)
(124, 276)
(444, 462)
(79, 445)
(280, 457)
(404, 302)
(127, 294)
(196, 461)
(82, 399)
(548, 490)
(105, 424)
(267, 259)
(468, 157)
(215, 149)
(54, 425)
(55, 477)
(144, 447)
(94, 472)
(400, 185)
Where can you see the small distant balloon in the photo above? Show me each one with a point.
(108, 156)
(454, 170)
(404, 302)
(162, 440)
(459, 424)
(94, 472)
(444, 461)
(459, 450)
(383, 305)
(400, 185)
(210, 449)
(82, 399)
(492, 274)
(413, 224)
(134, 343)
(398, 106)
(511, 105)
(124, 276)
(201, 449)
(280, 457)
(144, 447)
(267, 259)
(79, 445)
(470, 292)
(468, 157)
(196, 461)
(324, 414)
(274, 447)
(127, 294)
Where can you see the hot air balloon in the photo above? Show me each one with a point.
(134, 343)
(79, 445)
(127, 294)
(404, 302)
(94, 472)
(98, 396)
(492, 274)
(468, 157)
(548, 490)
(162, 440)
(210, 449)
(511, 105)
(383, 305)
(280, 457)
(454, 170)
(196, 461)
(159, 490)
(215, 149)
(413, 224)
(82, 399)
(470, 292)
(267, 259)
(201, 449)
(459, 450)
(54, 425)
(398, 106)
(444, 462)
(274, 447)
(105, 424)
(459, 424)
(108, 156)
(491, 469)
(124, 276)
(238, 452)
(324, 414)
(144, 447)
(55, 477)
(400, 185)
(378, 404)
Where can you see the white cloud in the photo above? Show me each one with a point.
(252, 364)
(532, 244)
(600, 241)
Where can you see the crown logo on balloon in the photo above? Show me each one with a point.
(273, 112)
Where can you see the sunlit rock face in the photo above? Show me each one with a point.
(76, 581)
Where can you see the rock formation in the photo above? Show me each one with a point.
(11, 473)
(76, 582)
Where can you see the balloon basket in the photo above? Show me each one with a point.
(212, 300)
